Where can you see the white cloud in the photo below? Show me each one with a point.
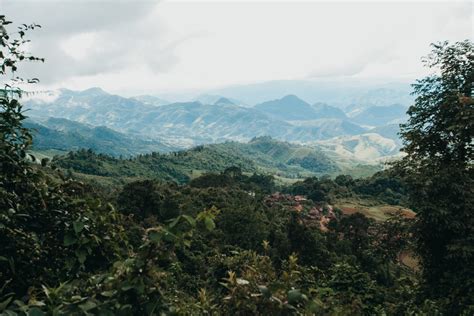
(147, 46)
(79, 46)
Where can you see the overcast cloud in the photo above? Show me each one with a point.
(150, 46)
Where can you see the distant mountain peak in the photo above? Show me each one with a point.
(289, 100)
(93, 91)
(290, 107)
(216, 99)
(292, 98)
(224, 101)
(324, 110)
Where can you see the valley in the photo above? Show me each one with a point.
(66, 120)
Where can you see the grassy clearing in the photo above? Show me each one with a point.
(372, 209)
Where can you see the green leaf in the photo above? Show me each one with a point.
(69, 239)
(108, 293)
(174, 222)
(81, 255)
(78, 226)
(189, 219)
(127, 287)
(5, 303)
(35, 312)
(294, 296)
(87, 306)
(155, 236)
(209, 223)
(265, 291)
(169, 236)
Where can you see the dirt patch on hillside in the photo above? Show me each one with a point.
(409, 260)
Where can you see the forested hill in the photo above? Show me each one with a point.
(263, 154)
(65, 135)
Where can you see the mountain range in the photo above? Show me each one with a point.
(150, 123)
(346, 94)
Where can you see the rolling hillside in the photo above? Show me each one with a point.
(264, 155)
(369, 147)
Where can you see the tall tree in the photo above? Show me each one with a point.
(438, 141)
(14, 138)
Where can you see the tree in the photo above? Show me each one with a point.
(308, 243)
(20, 194)
(438, 167)
(149, 198)
(14, 138)
(244, 226)
(47, 233)
(312, 188)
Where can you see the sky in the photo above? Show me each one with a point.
(138, 47)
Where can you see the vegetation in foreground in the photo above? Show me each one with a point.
(227, 243)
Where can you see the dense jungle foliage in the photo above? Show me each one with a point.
(227, 243)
